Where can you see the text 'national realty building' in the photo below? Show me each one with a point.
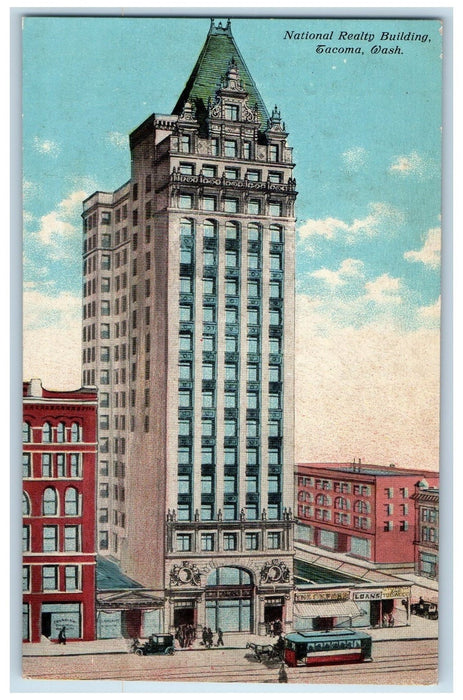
(188, 333)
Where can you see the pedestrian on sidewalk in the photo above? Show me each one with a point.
(62, 636)
(220, 638)
(282, 675)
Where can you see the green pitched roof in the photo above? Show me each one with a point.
(216, 54)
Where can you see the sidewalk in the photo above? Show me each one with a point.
(419, 628)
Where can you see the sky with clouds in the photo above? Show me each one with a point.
(366, 133)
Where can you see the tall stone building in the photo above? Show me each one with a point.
(188, 332)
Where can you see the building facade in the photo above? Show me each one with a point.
(188, 333)
(59, 463)
(426, 530)
(361, 509)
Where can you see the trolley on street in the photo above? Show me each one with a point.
(341, 646)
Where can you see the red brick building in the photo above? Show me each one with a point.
(360, 509)
(426, 530)
(59, 457)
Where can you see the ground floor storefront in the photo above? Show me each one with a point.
(68, 619)
(371, 607)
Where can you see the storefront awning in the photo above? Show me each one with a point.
(346, 608)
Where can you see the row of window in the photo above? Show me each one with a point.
(230, 541)
(229, 512)
(49, 433)
(232, 287)
(208, 343)
(230, 148)
(70, 538)
(230, 205)
(54, 578)
(210, 170)
(429, 534)
(230, 483)
(54, 465)
(50, 502)
(253, 399)
(232, 258)
(208, 369)
(208, 425)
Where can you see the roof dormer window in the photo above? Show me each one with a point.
(231, 112)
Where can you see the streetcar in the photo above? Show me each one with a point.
(341, 646)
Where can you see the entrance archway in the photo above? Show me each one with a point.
(229, 600)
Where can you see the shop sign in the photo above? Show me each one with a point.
(396, 592)
(274, 601)
(366, 595)
(321, 595)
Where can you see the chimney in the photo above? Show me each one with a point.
(35, 388)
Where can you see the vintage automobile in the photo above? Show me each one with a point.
(264, 652)
(156, 644)
(425, 609)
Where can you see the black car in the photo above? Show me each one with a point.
(425, 609)
(156, 644)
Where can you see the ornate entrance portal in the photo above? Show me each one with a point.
(229, 600)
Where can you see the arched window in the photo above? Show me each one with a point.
(341, 503)
(46, 432)
(75, 432)
(231, 231)
(71, 501)
(186, 227)
(50, 502)
(26, 504)
(61, 432)
(276, 234)
(253, 232)
(210, 229)
(361, 507)
(27, 432)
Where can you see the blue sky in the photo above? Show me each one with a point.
(366, 132)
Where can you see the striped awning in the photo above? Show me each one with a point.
(345, 608)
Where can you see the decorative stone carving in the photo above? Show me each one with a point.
(274, 572)
(185, 574)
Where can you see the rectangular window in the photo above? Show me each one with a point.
(247, 150)
(209, 171)
(230, 149)
(207, 484)
(209, 203)
(26, 465)
(72, 578)
(71, 538)
(231, 173)
(254, 206)
(231, 112)
(230, 205)
(26, 538)
(46, 465)
(231, 315)
(184, 483)
(231, 258)
(273, 152)
(186, 201)
(50, 538)
(229, 542)
(215, 146)
(185, 144)
(252, 541)
(183, 543)
(187, 168)
(207, 543)
(75, 465)
(273, 540)
(49, 578)
(26, 578)
(229, 483)
(251, 484)
(105, 262)
(61, 465)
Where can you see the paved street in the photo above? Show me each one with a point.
(395, 662)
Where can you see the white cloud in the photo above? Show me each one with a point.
(382, 217)
(46, 147)
(363, 391)
(117, 139)
(412, 164)
(349, 268)
(383, 290)
(431, 312)
(61, 226)
(355, 158)
(429, 254)
(52, 338)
